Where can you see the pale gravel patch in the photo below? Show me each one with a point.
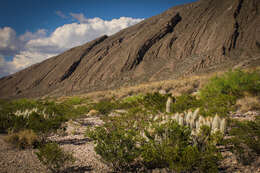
(13, 160)
(81, 147)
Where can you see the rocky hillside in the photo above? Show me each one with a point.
(198, 37)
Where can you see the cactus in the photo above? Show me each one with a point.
(193, 132)
(216, 124)
(181, 120)
(202, 121)
(177, 116)
(208, 121)
(156, 117)
(198, 126)
(192, 122)
(144, 136)
(169, 105)
(196, 113)
(188, 117)
(223, 126)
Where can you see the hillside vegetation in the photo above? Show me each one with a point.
(139, 135)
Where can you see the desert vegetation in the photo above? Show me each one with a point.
(147, 131)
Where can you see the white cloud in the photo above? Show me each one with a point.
(30, 36)
(62, 15)
(9, 43)
(6, 67)
(38, 47)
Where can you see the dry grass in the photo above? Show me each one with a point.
(93, 112)
(188, 84)
(23, 139)
(176, 87)
(249, 103)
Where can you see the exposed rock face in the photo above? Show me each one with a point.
(197, 37)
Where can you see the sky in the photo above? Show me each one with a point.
(34, 30)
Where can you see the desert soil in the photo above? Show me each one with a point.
(13, 160)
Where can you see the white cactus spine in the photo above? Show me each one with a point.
(192, 122)
(208, 121)
(197, 126)
(181, 120)
(216, 124)
(177, 116)
(169, 105)
(223, 126)
(196, 113)
(156, 117)
(144, 136)
(188, 117)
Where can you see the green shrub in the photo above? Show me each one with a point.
(154, 102)
(104, 106)
(127, 145)
(221, 93)
(177, 151)
(116, 146)
(185, 102)
(133, 99)
(74, 101)
(245, 139)
(47, 116)
(54, 157)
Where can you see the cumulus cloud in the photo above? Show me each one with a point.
(30, 36)
(6, 67)
(9, 43)
(38, 46)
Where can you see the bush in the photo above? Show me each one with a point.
(40, 116)
(54, 157)
(185, 102)
(221, 93)
(23, 139)
(173, 147)
(245, 139)
(154, 102)
(116, 146)
(74, 101)
(152, 144)
(104, 106)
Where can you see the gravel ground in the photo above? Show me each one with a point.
(81, 147)
(13, 160)
(73, 140)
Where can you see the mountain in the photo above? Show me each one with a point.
(199, 37)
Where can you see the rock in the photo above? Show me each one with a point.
(196, 37)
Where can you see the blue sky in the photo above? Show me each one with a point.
(32, 30)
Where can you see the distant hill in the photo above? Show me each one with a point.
(207, 35)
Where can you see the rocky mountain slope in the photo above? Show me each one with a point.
(198, 37)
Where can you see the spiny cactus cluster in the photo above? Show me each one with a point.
(26, 113)
(196, 121)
